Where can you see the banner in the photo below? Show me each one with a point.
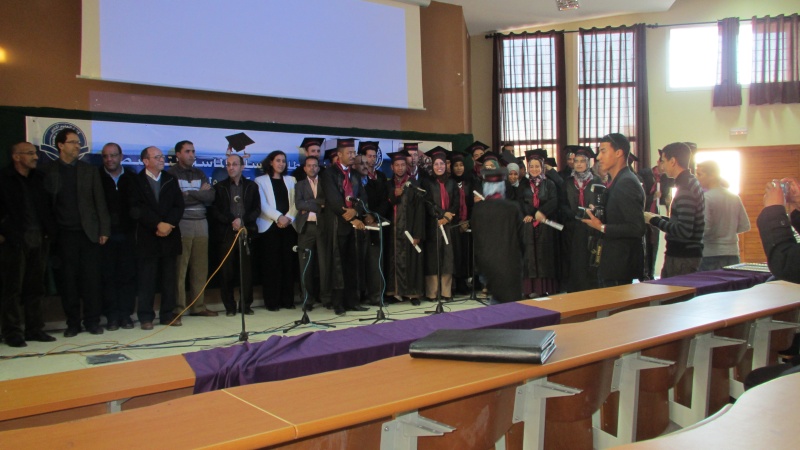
(209, 143)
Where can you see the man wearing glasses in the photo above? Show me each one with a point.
(157, 207)
(622, 248)
(83, 226)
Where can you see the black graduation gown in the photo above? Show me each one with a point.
(462, 256)
(540, 242)
(580, 239)
(434, 235)
(405, 274)
(497, 233)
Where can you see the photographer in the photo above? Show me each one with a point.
(775, 228)
(621, 250)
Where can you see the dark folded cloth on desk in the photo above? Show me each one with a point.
(488, 345)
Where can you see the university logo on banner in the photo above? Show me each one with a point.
(48, 144)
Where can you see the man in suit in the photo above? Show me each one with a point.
(237, 205)
(83, 226)
(312, 243)
(622, 252)
(157, 207)
(342, 189)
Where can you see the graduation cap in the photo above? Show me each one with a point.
(585, 151)
(363, 146)
(398, 156)
(551, 162)
(309, 141)
(477, 145)
(488, 156)
(411, 146)
(507, 158)
(571, 149)
(632, 158)
(438, 152)
(494, 175)
(521, 161)
(331, 153)
(345, 143)
(539, 153)
(456, 157)
(239, 141)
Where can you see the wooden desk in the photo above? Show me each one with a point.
(587, 305)
(763, 417)
(73, 395)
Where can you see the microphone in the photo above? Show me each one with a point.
(417, 188)
(305, 250)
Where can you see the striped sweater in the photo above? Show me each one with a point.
(684, 227)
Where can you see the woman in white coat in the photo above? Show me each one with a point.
(276, 236)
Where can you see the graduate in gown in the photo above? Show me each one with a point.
(442, 202)
(539, 201)
(462, 247)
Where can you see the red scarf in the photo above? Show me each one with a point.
(535, 190)
(581, 198)
(346, 185)
(462, 203)
(444, 197)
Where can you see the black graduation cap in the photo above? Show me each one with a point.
(309, 141)
(551, 162)
(438, 152)
(692, 146)
(477, 145)
(345, 142)
(330, 153)
(487, 157)
(363, 146)
(457, 156)
(521, 161)
(507, 158)
(538, 153)
(239, 141)
(494, 175)
(632, 158)
(411, 146)
(400, 155)
(585, 151)
(571, 149)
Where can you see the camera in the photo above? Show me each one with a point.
(784, 187)
(582, 213)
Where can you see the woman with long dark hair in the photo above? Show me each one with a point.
(276, 236)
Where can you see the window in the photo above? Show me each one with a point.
(694, 56)
(529, 90)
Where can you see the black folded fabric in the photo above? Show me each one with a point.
(490, 345)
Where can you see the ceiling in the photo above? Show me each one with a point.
(486, 16)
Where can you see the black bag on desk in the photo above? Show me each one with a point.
(492, 345)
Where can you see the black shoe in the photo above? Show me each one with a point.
(357, 308)
(95, 329)
(40, 336)
(127, 323)
(339, 311)
(230, 313)
(249, 311)
(415, 301)
(112, 325)
(272, 308)
(16, 341)
(71, 332)
(291, 307)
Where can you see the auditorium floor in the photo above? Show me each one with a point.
(197, 333)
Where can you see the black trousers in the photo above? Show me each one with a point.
(278, 266)
(313, 264)
(149, 269)
(233, 269)
(346, 246)
(118, 277)
(80, 265)
(22, 272)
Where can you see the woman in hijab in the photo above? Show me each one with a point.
(462, 255)
(441, 204)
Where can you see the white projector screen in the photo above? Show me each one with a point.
(363, 52)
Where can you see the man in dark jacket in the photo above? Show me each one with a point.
(118, 255)
(237, 205)
(26, 224)
(83, 223)
(157, 207)
(622, 247)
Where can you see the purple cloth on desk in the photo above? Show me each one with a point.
(716, 280)
(281, 357)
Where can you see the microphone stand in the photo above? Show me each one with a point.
(380, 315)
(305, 320)
(439, 304)
(243, 247)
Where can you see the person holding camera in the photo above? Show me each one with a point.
(775, 228)
(580, 240)
(685, 225)
(621, 251)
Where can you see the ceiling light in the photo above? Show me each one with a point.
(564, 5)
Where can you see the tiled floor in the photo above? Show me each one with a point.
(197, 333)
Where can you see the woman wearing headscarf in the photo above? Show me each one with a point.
(441, 204)
(580, 238)
(276, 236)
(462, 255)
(539, 200)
